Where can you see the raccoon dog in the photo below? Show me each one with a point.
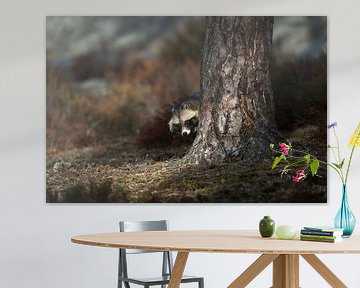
(184, 118)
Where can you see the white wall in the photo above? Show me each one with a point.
(35, 248)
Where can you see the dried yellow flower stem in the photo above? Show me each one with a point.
(355, 137)
(354, 142)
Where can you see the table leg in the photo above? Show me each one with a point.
(178, 269)
(253, 270)
(324, 271)
(286, 271)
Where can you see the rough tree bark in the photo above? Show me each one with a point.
(237, 110)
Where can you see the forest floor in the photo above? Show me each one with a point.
(120, 172)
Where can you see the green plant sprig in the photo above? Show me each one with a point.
(308, 159)
(312, 162)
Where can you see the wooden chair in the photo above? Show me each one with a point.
(167, 262)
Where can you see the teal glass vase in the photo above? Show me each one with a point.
(345, 219)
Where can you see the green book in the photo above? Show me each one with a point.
(319, 236)
(321, 233)
(338, 239)
(323, 228)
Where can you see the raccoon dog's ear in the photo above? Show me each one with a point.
(174, 107)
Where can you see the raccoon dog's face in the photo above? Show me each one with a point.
(188, 119)
(183, 120)
(189, 126)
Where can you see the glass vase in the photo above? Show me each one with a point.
(345, 219)
(266, 227)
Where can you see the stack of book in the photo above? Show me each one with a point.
(321, 234)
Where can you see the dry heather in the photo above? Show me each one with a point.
(122, 173)
(143, 89)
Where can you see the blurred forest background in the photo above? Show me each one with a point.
(110, 84)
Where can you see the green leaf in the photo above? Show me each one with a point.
(342, 163)
(339, 166)
(307, 157)
(336, 165)
(277, 161)
(271, 146)
(314, 166)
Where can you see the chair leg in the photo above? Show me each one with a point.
(201, 283)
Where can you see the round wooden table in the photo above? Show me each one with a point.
(284, 254)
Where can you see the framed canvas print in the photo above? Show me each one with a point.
(185, 109)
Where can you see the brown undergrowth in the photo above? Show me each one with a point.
(121, 173)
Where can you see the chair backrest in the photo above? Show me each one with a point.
(134, 226)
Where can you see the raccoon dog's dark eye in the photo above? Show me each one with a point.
(187, 122)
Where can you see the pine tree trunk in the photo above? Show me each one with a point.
(237, 110)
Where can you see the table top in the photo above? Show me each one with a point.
(217, 241)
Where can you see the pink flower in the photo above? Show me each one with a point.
(300, 175)
(284, 148)
(300, 172)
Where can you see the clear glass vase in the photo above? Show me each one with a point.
(345, 219)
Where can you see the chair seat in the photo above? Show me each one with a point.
(158, 280)
(167, 262)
